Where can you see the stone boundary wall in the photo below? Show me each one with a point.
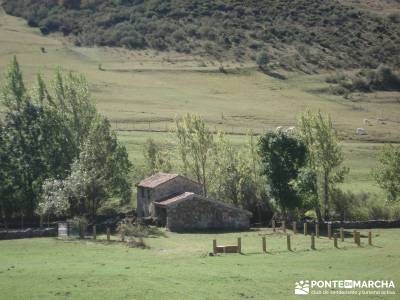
(351, 224)
(27, 233)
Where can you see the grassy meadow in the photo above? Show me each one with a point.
(143, 91)
(177, 266)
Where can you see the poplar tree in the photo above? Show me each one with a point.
(387, 173)
(325, 155)
(195, 142)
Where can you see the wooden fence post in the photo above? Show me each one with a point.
(370, 238)
(123, 235)
(239, 245)
(341, 234)
(273, 226)
(294, 227)
(284, 226)
(288, 242)
(305, 228)
(358, 238)
(81, 231)
(335, 244)
(312, 241)
(264, 244)
(214, 246)
(108, 234)
(94, 232)
(317, 230)
(330, 231)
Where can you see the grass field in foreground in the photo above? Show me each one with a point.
(178, 267)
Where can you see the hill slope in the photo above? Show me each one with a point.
(296, 34)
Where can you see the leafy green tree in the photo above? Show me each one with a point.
(101, 172)
(31, 140)
(325, 155)
(13, 92)
(253, 184)
(225, 174)
(5, 177)
(47, 132)
(307, 188)
(156, 159)
(52, 200)
(236, 178)
(195, 142)
(282, 156)
(387, 173)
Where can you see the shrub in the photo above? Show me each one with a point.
(139, 230)
(262, 59)
(381, 79)
(384, 78)
(78, 226)
(349, 206)
(335, 78)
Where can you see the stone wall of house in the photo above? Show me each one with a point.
(200, 213)
(175, 186)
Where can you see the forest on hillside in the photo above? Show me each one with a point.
(295, 34)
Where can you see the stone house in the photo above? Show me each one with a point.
(175, 202)
(159, 187)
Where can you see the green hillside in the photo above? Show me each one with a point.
(296, 34)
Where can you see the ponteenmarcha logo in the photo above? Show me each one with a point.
(302, 288)
(343, 287)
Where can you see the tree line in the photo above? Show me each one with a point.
(287, 172)
(60, 157)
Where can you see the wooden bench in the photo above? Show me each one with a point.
(227, 248)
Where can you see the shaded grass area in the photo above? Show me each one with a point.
(178, 266)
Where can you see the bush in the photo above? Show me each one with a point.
(384, 78)
(262, 59)
(336, 78)
(349, 206)
(381, 79)
(78, 226)
(139, 230)
(137, 243)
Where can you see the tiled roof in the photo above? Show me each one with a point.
(156, 180)
(184, 196)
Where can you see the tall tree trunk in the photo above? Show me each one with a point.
(94, 211)
(22, 221)
(204, 181)
(3, 215)
(318, 212)
(326, 195)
